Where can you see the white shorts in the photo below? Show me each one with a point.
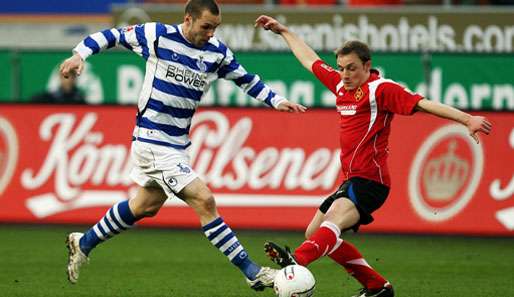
(156, 165)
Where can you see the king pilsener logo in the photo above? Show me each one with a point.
(8, 152)
(445, 173)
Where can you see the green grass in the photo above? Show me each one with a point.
(174, 263)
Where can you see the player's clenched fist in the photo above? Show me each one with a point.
(72, 66)
(269, 23)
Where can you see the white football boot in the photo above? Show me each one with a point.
(264, 279)
(75, 256)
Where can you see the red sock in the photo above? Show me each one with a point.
(319, 244)
(350, 258)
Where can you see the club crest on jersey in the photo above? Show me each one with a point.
(127, 29)
(358, 94)
(201, 64)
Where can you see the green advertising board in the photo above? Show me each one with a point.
(6, 75)
(471, 81)
(106, 78)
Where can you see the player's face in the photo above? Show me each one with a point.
(353, 72)
(199, 31)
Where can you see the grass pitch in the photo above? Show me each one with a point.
(181, 263)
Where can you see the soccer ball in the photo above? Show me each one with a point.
(294, 281)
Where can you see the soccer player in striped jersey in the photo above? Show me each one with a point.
(366, 104)
(181, 62)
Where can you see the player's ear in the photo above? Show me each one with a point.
(188, 19)
(367, 65)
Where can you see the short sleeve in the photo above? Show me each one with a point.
(398, 99)
(327, 75)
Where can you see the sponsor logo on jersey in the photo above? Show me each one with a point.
(350, 109)
(445, 174)
(184, 75)
(327, 67)
(8, 152)
(127, 29)
(130, 28)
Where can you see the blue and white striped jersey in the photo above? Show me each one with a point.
(177, 76)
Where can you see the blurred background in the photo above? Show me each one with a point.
(433, 38)
(64, 144)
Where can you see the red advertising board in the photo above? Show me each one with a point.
(69, 164)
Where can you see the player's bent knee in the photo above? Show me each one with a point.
(344, 215)
(208, 204)
(204, 205)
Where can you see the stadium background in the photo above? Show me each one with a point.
(447, 229)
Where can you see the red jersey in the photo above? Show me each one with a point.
(365, 122)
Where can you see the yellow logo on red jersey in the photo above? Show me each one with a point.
(358, 94)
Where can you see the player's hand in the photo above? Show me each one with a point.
(291, 107)
(477, 124)
(72, 66)
(269, 23)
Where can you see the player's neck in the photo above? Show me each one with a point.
(185, 32)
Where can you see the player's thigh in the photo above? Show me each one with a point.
(343, 213)
(195, 192)
(199, 197)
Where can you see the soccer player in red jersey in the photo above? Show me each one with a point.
(367, 104)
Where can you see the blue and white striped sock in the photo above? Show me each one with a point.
(222, 237)
(117, 219)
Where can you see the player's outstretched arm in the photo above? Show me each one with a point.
(474, 124)
(139, 39)
(300, 49)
